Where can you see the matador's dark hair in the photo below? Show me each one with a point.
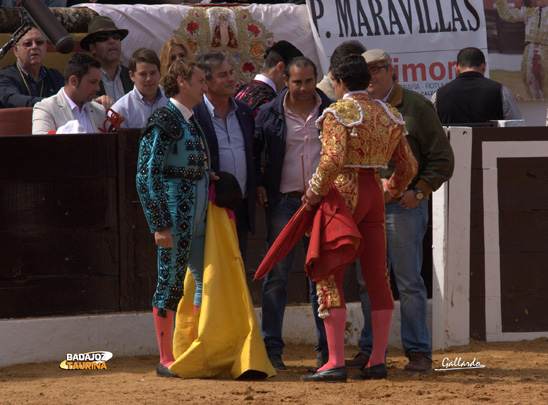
(353, 72)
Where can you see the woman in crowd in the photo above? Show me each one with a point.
(174, 48)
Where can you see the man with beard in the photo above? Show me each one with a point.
(73, 101)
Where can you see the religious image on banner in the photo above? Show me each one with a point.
(517, 38)
(232, 30)
(243, 33)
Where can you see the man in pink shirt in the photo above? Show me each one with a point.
(285, 129)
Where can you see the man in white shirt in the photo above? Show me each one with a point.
(74, 100)
(267, 84)
(172, 182)
(147, 95)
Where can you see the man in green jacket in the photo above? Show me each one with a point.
(407, 217)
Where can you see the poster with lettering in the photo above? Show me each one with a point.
(422, 36)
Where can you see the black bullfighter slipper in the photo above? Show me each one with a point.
(336, 374)
(376, 372)
(163, 371)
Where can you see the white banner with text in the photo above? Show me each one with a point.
(422, 36)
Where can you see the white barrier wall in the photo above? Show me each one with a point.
(451, 249)
(38, 340)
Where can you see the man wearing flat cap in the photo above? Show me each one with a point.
(267, 84)
(104, 42)
(407, 217)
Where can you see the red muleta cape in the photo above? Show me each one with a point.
(335, 240)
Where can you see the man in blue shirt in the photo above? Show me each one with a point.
(147, 95)
(229, 125)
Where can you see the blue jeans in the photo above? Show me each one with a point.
(275, 282)
(405, 230)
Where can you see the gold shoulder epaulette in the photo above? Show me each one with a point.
(346, 111)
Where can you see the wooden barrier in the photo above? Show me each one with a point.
(74, 238)
(15, 121)
(509, 241)
(59, 239)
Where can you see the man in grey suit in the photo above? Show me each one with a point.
(74, 101)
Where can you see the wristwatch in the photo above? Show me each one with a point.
(419, 195)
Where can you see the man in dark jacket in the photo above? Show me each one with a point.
(285, 129)
(229, 126)
(471, 97)
(27, 81)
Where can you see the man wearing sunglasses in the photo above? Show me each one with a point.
(104, 42)
(28, 81)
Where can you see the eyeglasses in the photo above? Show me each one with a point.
(28, 44)
(376, 69)
(105, 37)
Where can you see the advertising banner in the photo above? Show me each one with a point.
(423, 37)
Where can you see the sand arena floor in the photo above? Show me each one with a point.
(514, 373)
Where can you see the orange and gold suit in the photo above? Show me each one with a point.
(359, 136)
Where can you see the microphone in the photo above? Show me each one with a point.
(46, 22)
